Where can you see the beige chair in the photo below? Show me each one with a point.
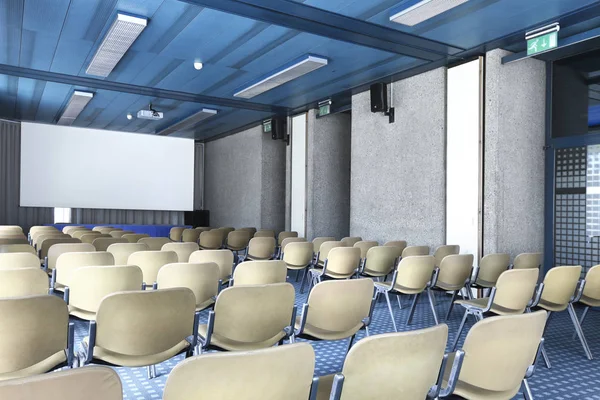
(511, 296)
(122, 251)
(40, 237)
(413, 276)
(236, 376)
(202, 279)
(150, 262)
(183, 250)
(175, 233)
(89, 238)
(154, 243)
(19, 260)
(190, 235)
(370, 372)
(10, 230)
(92, 383)
(38, 228)
(454, 275)
(351, 240)
(237, 241)
(100, 227)
(17, 248)
(13, 240)
(400, 244)
(591, 293)
(47, 244)
(102, 243)
(527, 260)
(80, 232)
(285, 235)
(67, 263)
(37, 336)
(297, 256)
(260, 273)
(446, 250)
(490, 268)
(135, 237)
(223, 258)
(341, 263)
(119, 234)
(364, 246)
(211, 240)
(227, 229)
(380, 261)
(499, 357)
(106, 230)
(55, 251)
(19, 282)
(261, 248)
(203, 228)
(324, 250)
(89, 285)
(115, 230)
(251, 230)
(336, 310)
(317, 242)
(249, 318)
(69, 228)
(289, 240)
(411, 251)
(125, 331)
(265, 233)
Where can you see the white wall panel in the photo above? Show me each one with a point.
(298, 206)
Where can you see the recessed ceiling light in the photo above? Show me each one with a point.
(129, 116)
(189, 122)
(76, 104)
(422, 11)
(198, 65)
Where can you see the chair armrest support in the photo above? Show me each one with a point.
(336, 389)
(53, 279)
(193, 340)
(314, 388)
(71, 344)
(537, 297)
(66, 294)
(488, 307)
(289, 331)
(579, 292)
(205, 342)
(531, 368)
(434, 277)
(434, 392)
(302, 320)
(89, 355)
(454, 374)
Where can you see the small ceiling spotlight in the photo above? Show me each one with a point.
(198, 65)
(129, 116)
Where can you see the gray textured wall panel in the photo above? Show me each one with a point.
(272, 184)
(514, 158)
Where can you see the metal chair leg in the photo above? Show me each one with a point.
(350, 342)
(432, 304)
(543, 350)
(304, 276)
(454, 294)
(460, 329)
(413, 306)
(579, 331)
(527, 390)
(389, 304)
(585, 311)
(298, 274)
(399, 302)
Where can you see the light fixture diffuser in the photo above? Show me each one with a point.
(119, 38)
(285, 74)
(189, 122)
(423, 11)
(76, 104)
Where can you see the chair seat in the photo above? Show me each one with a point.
(41, 367)
(484, 284)
(295, 267)
(374, 273)
(448, 286)
(204, 305)
(549, 306)
(82, 314)
(323, 334)
(482, 303)
(126, 360)
(255, 258)
(235, 345)
(588, 301)
(324, 387)
(397, 288)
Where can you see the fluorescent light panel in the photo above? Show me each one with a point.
(286, 74)
(189, 122)
(76, 104)
(423, 11)
(121, 35)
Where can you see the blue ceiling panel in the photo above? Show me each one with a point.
(45, 16)
(53, 99)
(70, 56)
(38, 49)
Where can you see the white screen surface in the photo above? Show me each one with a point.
(90, 168)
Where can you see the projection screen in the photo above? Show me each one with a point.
(90, 168)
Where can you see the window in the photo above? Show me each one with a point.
(593, 191)
(62, 215)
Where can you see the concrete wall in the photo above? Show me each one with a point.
(398, 170)
(513, 215)
(245, 180)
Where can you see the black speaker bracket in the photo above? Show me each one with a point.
(391, 113)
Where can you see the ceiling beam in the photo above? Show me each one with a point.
(305, 18)
(93, 83)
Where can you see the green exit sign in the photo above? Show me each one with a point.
(267, 126)
(542, 43)
(324, 110)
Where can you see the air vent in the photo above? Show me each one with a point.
(189, 122)
(76, 104)
(121, 35)
(423, 11)
(285, 74)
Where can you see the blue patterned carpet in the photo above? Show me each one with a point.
(572, 376)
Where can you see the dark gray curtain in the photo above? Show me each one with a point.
(10, 185)
(199, 177)
(98, 216)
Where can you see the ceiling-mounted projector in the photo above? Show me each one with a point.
(150, 113)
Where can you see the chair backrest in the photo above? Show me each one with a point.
(202, 279)
(154, 243)
(446, 250)
(223, 258)
(364, 246)
(127, 321)
(17, 248)
(492, 266)
(203, 228)
(13, 240)
(326, 247)
(238, 240)
(260, 273)
(382, 259)
(68, 229)
(122, 251)
(261, 247)
(150, 262)
(190, 235)
(351, 240)
(118, 234)
(415, 272)
(10, 230)
(183, 250)
(134, 237)
(254, 314)
(90, 383)
(318, 241)
(20, 282)
(251, 230)
(286, 241)
(297, 254)
(560, 284)
(592, 283)
(89, 285)
(401, 365)
(89, 238)
(102, 243)
(234, 375)
(507, 342)
(343, 261)
(22, 343)
(105, 229)
(77, 234)
(265, 233)
(38, 228)
(45, 232)
(528, 260)
(18, 260)
(515, 288)
(340, 305)
(47, 244)
(455, 269)
(175, 233)
(100, 227)
(67, 263)
(285, 235)
(411, 251)
(211, 240)
(62, 248)
(397, 243)
(39, 238)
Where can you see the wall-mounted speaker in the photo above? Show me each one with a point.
(278, 128)
(379, 101)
